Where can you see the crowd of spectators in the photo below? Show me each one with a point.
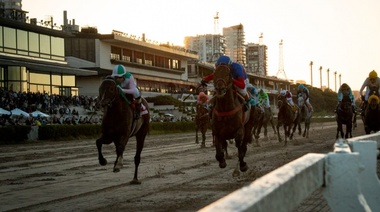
(56, 106)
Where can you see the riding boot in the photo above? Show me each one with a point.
(247, 104)
(137, 108)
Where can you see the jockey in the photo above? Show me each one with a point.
(239, 76)
(203, 99)
(345, 90)
(126, 82)
(264, 100)
(302, 90)
(289, 97)
(371, 84)
(254, 96)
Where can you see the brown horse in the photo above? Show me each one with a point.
(229, 121)
(262, 122)
(344, 116)
(202, 121)
(286, 117)
(118, 125)
(372, 115)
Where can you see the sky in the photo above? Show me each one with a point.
(340, 35)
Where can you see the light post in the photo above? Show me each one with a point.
(328, 78)
(320, 75)
(311, 73)
(335, 81)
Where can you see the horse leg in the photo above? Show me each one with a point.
(140, 140)
(287, 132)
(278, 133)
(242, 150)
(203, 145)
(220, 153)
(120, 147)
(304, 130)
(99, 144)
(292, 131)
(299, 128)
(196, 134)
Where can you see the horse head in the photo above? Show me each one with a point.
(222, 80)
(280, 101)
(301, 101)
(107, 92)
(346, 105)
(373, 102)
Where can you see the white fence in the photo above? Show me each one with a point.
(347, 176)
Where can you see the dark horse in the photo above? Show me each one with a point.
(372, 115)
(202, 121)
(261, 121)
(118, 125)
(229, 121)
(286, 117)
(305, 116)
(344, 116)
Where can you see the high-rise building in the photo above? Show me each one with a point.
(235, 43)
(256, 59)
(209, 47)
(12, 9)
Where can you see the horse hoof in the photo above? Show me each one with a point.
(236, 173)
(222, 165)
(103, 162)
(135, 182)
(203, 146)
(115, 170)
(243, 167)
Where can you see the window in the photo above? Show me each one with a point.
(9, 40)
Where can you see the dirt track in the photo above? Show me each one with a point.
(176, 174)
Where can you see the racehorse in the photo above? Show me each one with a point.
(344, 116)
(372, 115)
(262, 122)
(286, 117)
(229, 121)
(258, 123)
(305, 116)
(118, 124)
(202, 121)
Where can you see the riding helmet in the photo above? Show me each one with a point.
(118, 71)
(372, 74)
(345, 86)
(301, 86)
(223, 60)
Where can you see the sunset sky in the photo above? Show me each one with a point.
(342, 35)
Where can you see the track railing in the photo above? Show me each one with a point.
(347, 176)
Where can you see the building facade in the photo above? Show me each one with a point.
(209, 46)
(32, 58)
(256, 59)
(235, 43)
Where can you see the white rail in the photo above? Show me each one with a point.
(347, 176)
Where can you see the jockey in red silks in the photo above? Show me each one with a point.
(240, 78)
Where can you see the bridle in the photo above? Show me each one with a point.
(108, 104)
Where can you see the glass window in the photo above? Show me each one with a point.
(14, 73)
(44, 44)
(9, 37)
(57, 46)
(40, 78)
(22, 40)
(1, 36)
(34, 42)
(68, 80)
(56, 80)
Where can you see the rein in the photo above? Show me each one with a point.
(122, 94)
(228, 113)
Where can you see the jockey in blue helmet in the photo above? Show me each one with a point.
(240, 78)
(304, 92)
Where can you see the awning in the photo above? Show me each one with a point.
(46, 67)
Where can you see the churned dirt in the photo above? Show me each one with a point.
(176, 174)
